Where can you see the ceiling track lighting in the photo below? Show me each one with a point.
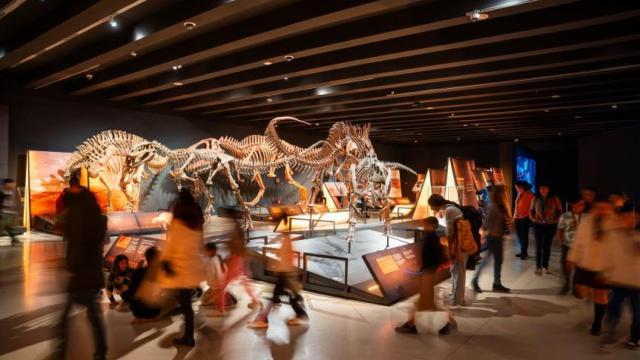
(189, 25)
(113, 23)
(289, 58)
(176, 67)
(106, 19)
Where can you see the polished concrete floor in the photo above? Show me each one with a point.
(532, 322)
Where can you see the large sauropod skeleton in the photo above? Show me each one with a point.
(102, 155)
(197, 165)
(368, 183)
(345, 145)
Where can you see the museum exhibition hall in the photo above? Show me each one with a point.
(319, 179)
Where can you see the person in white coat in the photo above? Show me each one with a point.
(181, 264)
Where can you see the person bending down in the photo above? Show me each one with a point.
(119, 280)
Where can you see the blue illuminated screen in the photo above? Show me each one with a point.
(526, 170)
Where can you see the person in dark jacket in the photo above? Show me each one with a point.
(433, 256)
(140, 310)
(119, 279)
(84, 232)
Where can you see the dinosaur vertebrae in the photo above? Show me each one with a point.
(92, 152)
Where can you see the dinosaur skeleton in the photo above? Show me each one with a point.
(368, 183)
(102, 155)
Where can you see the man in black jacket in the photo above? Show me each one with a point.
(84, 232)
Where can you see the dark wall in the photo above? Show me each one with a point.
(608, 162)
(422, 157)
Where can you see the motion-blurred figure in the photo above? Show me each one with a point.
(521, 217)
(589, 195)
(287, 284)
(215, 272)
(545, 212)
(452, 212)
(84, 231)
(9, 210)
(236, 271)
(622, 273)
(142, 311)
(587, 254)
(496, 225)
(567, 226)
(433, 249)
(181, 259)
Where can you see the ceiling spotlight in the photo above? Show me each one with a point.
(492, 129)
(133, 54)
(559, 134)
(317, 124)
(577, 117)
(89, 76)
(555, 96)
(269, 99)
(178, 83)
(392, 92)
(452, 115)
(465, 125)
(614, 106)
(415, 141)
(476, 124)
(286, 77)
(189, 25)
(458, 138)
(546, 110)
(516, 140)
(430, 108)
(267, 63)
(113, 23)
(289, 57)
(3, 53)
(476, 16)
(398, 129)
(176, 67)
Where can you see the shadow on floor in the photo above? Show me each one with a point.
(508, 306)
(28, 328)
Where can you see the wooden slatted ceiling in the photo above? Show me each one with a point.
(419, 71)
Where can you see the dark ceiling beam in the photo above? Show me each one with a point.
(376, 67)
(10, 6)
(454, 102)
(94, 16)
(297, 19)
(353, 35)
(512, 77)
(166, 23)
(365, 99)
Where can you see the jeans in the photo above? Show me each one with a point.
(494, 243)
(287, 284)
(94, 313)
(615, 311)
(522, 230)
(544, 236)
(458, 277)
(184, 298)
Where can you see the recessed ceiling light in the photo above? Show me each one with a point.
(269, 99)
(133, 54)
(559, 134)
(465, 125)
(516, 140)
(289, 57)
(476, 124)
(578, 117)
(398, 129)
(178, 83)
(546, 110)
(189, 25)
(392, 92)
(176, 67)
(286, 77)
(492, 129)
(430, 108)
(267, 63)
(555, 96)
(458, 138)
(614, 106)
(89, 76)
(113, 23)
(452, 115)
(415, 141)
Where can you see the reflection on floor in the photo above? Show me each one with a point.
(531, 323)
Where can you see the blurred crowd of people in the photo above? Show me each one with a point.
(597, 237)
(168, 280)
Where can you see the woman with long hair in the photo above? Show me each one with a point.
(496, 224)
(182, 268)
(545, 212)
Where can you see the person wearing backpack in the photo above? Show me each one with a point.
(496, 224)
(452, 212)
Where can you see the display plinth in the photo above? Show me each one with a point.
(329, 268)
